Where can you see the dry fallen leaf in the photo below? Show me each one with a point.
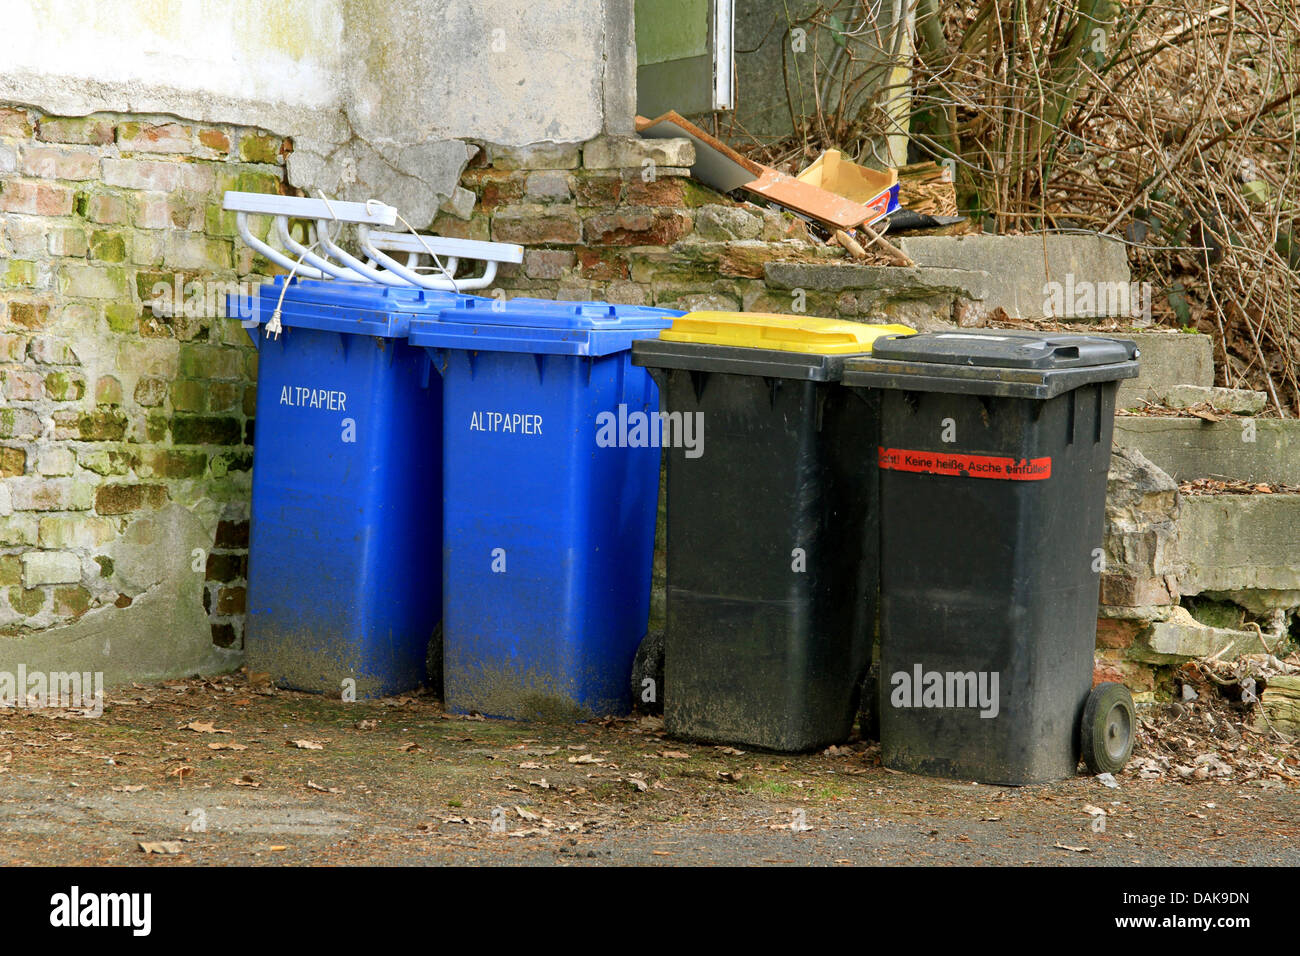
(674, 755)
(205, 727)
(305, 744)
(586, 758)
(366, 724)
(527, 814)
(311, 785)
(181, 772)
(410, 748)
(1072, 849)
(638, 783)
(731, 776)
(130, 788)
(229, 746)
(165, 847)
(246, 781)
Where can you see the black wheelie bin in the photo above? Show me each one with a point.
(771, 521)
(993, 455)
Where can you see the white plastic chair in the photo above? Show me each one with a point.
(334, 262)
(378, 244)
(283, 208)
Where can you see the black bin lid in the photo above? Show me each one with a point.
(1006, 349)
(1011, 364)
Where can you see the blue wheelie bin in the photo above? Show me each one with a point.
(549, 521)
(344, 549)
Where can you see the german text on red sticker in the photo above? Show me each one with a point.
(965, 466)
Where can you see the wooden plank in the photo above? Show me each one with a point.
(812, 201)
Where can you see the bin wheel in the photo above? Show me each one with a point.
(1108, 726)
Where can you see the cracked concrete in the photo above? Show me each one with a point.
(162, 632)
(415, 178)
(379, 96)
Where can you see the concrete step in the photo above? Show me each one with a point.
(1192, 576)
(1248, 449)
(1026, 272)
(1181, 637)
(1167, 359)
(1241, 548)
(1189, 575)
(1238, 401)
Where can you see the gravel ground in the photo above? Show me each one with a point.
(219, 772)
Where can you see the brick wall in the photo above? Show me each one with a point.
(111, 412)
(621, 221)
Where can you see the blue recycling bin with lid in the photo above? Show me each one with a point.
(549, 503)
(344, 557)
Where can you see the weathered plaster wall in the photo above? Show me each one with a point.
(269, 63)
(378, 95)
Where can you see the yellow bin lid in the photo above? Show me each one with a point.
(782, 333)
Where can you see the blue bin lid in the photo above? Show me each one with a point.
(540, 326)
(357, 308)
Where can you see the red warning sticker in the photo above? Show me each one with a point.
(965, 466)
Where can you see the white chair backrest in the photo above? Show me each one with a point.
(309, 264)
(323, 258)
(379, 244)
